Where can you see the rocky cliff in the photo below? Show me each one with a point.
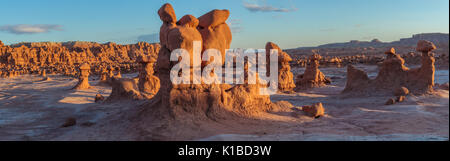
(63, 57)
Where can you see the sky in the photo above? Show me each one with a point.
(289, 23)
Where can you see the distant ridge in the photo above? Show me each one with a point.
(437, 38)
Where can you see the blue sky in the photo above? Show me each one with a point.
(289, 23)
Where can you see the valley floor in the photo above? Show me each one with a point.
(34, 109)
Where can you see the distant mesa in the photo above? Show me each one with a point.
(437, 38)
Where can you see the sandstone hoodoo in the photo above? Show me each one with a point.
(312, 77)
(83, 80)
(148, 83)
(393, 75)
(124, 89)
(104, 80)
(215, 32)
(285, 76)
(200, 101)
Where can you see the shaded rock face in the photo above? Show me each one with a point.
(83, 80)
(62, 58)
(145, 86)
(148, 83)
(285, 76)
(99, 97)
(394, 75)
(124, 89)
(200, 100)
(312, 77)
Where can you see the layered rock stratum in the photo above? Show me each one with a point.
(64, 58)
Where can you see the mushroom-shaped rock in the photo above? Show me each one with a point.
(312, 77)
(83, 80)
(425, 46)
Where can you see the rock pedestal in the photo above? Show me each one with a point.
(148, 83)
(199, 101)
(312, 77)
(83, 80)
(285, 76)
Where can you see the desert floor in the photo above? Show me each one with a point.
(33, 109)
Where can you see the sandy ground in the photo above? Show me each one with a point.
(32, 109)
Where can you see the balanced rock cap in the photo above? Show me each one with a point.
(425, 46)
(167, 13)
(188, 21)
(145, 59)
(390, 51)
(214, 18)
(85, 66)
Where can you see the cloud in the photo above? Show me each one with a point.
(30, 29)
(358, 25)
(150, 38)
(235, 25)
(254, 7)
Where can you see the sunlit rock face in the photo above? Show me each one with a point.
(312, 77)
(201, 100)
(83, 80)
(285, 76)
(393, 74)
(63, 58)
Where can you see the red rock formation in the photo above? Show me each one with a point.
(285, 76)
(200, 100)
(316, 110)
(61, 57)
(148, 83)
(216, 34)
(124, 89)
(393, 74)
(83, 80)
(312, 77)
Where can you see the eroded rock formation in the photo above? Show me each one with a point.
(312, 77)
(148, 83)
(83, 80)
(31, 58)
(200, 100)
(393, 74)
(285, 76)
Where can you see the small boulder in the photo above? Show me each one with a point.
(71, 121)
(99, 97)
(444, 86)
(390, 101)
(401, 98)
(402, 91)
(316, 110)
